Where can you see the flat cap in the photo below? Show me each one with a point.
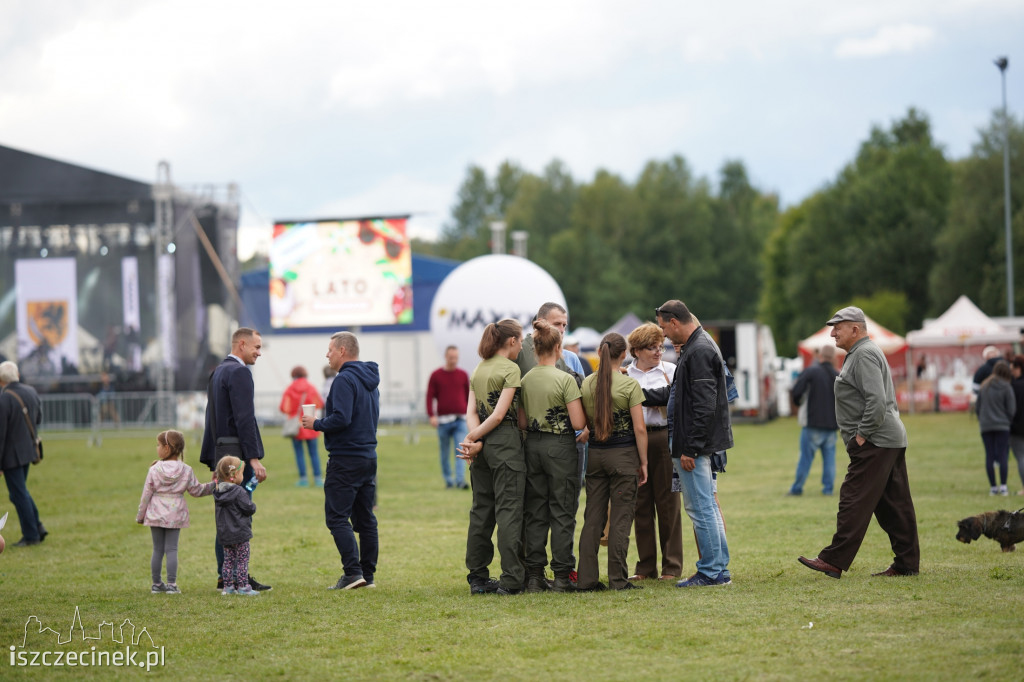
(848, 314)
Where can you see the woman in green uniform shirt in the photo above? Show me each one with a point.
(551, 412)
(616, 466)
(497, 471)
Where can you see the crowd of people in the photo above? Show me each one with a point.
(530, 411)
(1000, 407)
(645, 438)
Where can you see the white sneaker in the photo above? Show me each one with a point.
(1003, 491)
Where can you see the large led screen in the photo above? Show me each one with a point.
(340, 273)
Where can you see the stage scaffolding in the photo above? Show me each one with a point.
(187, 304)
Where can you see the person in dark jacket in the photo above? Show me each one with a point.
(18, 451)
(815, 388)
(234, 510)
(231, 427)
(996, 406)
(701, 427)
(1017, 425)
(349, 424)
(991, 355)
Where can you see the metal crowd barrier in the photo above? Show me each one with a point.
(113, 414)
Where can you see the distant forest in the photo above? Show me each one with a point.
(901, 231)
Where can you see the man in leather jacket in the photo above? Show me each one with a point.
(701, 426)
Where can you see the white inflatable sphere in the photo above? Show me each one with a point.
(484, 290)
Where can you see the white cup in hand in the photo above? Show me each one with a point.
(308, 410)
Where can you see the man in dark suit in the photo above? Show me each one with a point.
(231, 427)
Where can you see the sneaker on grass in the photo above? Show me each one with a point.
(172, 588)
(258, 586)
(348, 582)
(698, 579)
(247, 592)
(229, 590)
(158, 588)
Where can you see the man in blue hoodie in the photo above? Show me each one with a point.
(351, 412)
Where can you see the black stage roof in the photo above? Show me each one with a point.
(36, 190)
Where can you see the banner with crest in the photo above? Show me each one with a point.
(47, 316)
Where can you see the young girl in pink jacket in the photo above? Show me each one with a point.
(163, 507)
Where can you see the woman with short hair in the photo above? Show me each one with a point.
(656, 500)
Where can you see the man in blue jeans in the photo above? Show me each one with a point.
(447, 395)
(701, 427)
(351, 412)
(815, 388)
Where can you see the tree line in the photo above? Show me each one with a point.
(901, 231)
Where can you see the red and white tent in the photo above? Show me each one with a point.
(892, 344)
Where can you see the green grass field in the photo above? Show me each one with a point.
(960, 618)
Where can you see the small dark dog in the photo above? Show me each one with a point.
(1006, 528)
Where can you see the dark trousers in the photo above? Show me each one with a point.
(349, 490)
(17, 489)
(552, 498)
(247, 474)
(611, 476)
(498, 479)
(997, 451)
(876, 483)
(656, 499)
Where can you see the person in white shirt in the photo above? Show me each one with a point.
(656, 499)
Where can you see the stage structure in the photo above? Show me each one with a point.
(104, 274)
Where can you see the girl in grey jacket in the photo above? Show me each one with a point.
(234, 526)
(996, 406)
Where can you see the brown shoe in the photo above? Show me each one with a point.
(817, 564)
(893, 572)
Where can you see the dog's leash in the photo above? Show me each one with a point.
(1006, 526)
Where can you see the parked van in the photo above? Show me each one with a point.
(749, 350)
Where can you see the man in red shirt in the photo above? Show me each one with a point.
(447, 395)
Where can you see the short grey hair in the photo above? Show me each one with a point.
(8, 372)
(346, 340)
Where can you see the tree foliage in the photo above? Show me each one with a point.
(971, 247)
(615, 247)
(869, 234)
(900, 231)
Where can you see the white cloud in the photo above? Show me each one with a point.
(887, 40)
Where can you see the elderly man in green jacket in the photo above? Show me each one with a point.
(876, 481)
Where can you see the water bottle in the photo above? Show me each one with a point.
(251, 484)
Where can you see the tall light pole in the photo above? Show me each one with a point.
(1002, 63)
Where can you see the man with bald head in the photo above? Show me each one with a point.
(815, 388)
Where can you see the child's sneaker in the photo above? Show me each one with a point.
(319, 482)
(158, 588)
(229, 590)
(247, 591)
(1003, 491)
(172, 588)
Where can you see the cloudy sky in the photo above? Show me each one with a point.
(333, 108)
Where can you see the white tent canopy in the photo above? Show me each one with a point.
(963, 324)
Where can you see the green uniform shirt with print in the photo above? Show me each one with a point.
(626, 393)
(489, 379)
(545, 394)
